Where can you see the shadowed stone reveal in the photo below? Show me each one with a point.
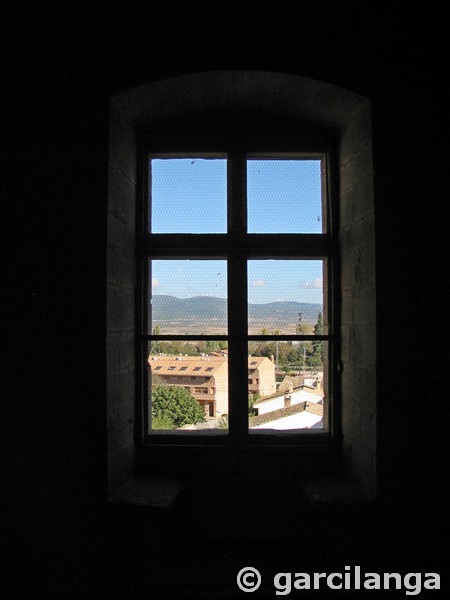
(249, 101)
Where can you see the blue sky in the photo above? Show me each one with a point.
(268, 280)
(189, 195)
(285, 280)
(283, 196)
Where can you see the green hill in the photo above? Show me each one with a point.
(200, 308)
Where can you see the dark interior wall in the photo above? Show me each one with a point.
(65, 63)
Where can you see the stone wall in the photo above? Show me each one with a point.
(121, 282)
(357, 246)
(307, 106)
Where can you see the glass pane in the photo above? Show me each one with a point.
(188, 386)
(286, 297)
(284, 196)
(188, 297)
(188, 195)
(287, 385)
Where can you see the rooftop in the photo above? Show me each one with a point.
(281, 394)
(195, 365)
(281, 413)
(186, 365)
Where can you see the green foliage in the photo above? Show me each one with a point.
(252, 398)
(162, 422)
(292, 357)
(174, 406)
(317, 352)
(222, 422)
(177, 347)
(318, 327)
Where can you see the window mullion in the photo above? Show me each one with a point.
(237, 194)
(237, 297)
(238, 351)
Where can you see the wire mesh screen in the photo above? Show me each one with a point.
(188, 385)
(286, 297)
(284, 196)
(188, 195)
(188, 297)
(287, 385)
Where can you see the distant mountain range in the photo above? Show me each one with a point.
(169, 308)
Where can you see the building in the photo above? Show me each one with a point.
(261, 376)
(302, 415)
(206, 377)
(287, 398)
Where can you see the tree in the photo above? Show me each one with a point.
(298, 327)
(173, 407)
(252, 398)
(317, 351)
(163, 422)
(318, 327)
(222, 422)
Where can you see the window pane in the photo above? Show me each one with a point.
(287, 384)
(284, 196)
(286, 297)
(188, 195)
(188, 385)
(188, 297)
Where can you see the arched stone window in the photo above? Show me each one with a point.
(249, 105)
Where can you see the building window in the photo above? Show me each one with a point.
(270, 111)
(238, 253)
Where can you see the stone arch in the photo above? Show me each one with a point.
(312, 106)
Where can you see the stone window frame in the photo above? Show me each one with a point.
(311, 106)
